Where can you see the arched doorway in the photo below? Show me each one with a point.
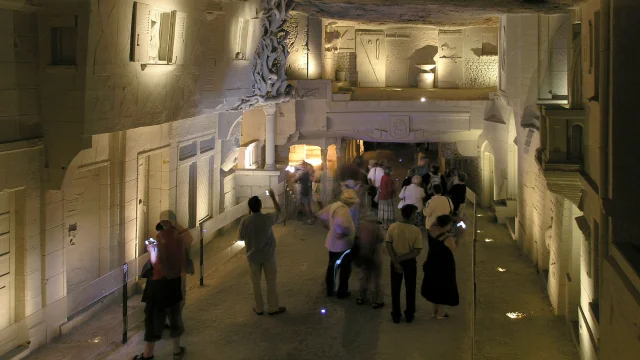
(488, 179)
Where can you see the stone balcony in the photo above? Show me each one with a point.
(561, 152)
(341, 93)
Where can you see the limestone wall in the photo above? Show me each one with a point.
(64, 257)
(19, 110)
(481, 72)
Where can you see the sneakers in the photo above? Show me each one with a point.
(395, 318)
(408, 317)
(280, 310)
(378, 305)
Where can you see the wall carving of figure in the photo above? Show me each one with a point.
(231, 147)
(269, 85)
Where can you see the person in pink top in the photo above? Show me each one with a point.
(385, 199)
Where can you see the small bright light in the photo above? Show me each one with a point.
(488, 240)
(95, 340)
(290, 168)
(501, 269)
(323, 311)
(462, 225)
(479, 214)
(515, 315)
(479, 231)
(423, 99)
(241, 242)
(400, 160)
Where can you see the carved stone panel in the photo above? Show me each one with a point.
(398, 126)
(371, 57)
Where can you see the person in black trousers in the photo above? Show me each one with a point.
(404, 243)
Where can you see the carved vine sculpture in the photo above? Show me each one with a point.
(270, 62)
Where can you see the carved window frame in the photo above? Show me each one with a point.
(152, 27)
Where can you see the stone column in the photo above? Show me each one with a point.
(323, 179)
(270, 138)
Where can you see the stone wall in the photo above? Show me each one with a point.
(19, 110)
(347, 63)
(481, 72)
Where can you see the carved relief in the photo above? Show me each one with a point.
(398, 126)
(340, 39)
(270, 62)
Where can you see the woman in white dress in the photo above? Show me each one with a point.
(414, 194)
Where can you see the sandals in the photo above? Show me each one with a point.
(179, 354)
(141, 357)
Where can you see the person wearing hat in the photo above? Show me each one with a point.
(337, 217)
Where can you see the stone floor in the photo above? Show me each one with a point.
(221, 325)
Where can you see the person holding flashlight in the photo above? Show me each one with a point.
(260, 243)
(163, 292)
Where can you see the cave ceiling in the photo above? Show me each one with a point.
(441, 13)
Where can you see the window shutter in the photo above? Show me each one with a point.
(141, 32)
(178, 37)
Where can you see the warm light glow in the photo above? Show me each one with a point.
(308, 153)
(501, 269)
(488, 240)
(515, 315)
(314, 162)
(479, 231)
(241, 242)
(423, 99)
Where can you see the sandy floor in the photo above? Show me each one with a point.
(221, 325)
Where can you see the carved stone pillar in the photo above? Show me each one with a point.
(325, 175)
(339, 154)
(270, 138)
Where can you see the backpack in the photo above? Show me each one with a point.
(433, 179)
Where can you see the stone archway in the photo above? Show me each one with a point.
(488, 174)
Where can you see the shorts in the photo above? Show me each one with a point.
(154, 320)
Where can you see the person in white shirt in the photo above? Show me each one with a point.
(414, 194)
(374, 177)
(438, 205)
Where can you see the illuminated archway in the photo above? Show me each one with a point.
(488, 169)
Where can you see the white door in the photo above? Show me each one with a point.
(371, 58)
(82, 229)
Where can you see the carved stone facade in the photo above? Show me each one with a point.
(270, 62)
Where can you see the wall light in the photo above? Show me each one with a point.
(488, 240)
(501, 269)
(423, 99)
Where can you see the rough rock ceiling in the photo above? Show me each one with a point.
(429, 12)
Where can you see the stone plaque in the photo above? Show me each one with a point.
(398, 126)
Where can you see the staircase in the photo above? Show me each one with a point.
(503, 209)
